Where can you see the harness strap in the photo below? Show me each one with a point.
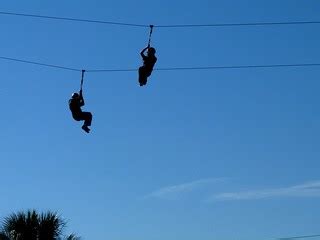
(150, 34)
(82, 76)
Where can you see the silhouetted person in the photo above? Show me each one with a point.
(148, 64)
(75, 104)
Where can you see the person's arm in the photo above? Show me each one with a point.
(81, 99)
(143, 50)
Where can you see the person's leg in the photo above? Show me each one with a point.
(147, 74)
(145, 81)
(142, 76)
(87, 118)
(77, 117)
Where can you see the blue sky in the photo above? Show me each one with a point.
(225, 154)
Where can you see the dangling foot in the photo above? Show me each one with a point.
(144, 82)
(85, 128)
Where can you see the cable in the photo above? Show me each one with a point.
(238, 24)
(160, 26)
(212, 67)
(164, 69)
(112, 70)
(72, 19)
(41, 64)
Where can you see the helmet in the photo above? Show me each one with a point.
(151, 50)
(75, 95)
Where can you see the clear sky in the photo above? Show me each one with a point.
(217, 154)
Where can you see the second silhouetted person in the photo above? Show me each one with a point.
(75, 104)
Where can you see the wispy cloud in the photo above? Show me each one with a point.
(308, 189)
(175, 191)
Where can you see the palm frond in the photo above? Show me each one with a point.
(33, 226)
(21, 225)
(72, 237)
(50, 226)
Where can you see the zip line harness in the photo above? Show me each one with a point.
(151, 30)
(82, 76)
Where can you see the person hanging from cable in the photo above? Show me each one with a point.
(149, 61)
(75, 104)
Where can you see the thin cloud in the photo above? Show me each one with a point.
(309, 189)
(174, 191)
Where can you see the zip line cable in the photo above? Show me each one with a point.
(160, 26)
(238, 24)
(72, 19)
(211, 67)
(40, 64)
(162, 69)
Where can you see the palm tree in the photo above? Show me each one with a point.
(31, 225)
(3, 237)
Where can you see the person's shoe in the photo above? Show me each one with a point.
(85, 128)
